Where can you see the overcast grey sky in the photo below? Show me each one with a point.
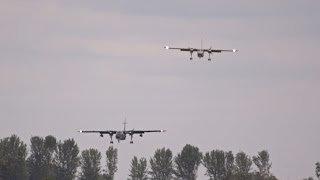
(67, 65)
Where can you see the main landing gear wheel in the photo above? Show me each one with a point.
(131, 142)
(111, 142)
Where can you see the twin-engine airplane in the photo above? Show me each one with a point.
(121, 135)
(200, 52)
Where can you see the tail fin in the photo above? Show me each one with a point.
(124, 124)
(201, 43)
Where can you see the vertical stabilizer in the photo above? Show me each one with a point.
(201, 43)
(124, 124)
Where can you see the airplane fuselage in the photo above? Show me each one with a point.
(200, 54)
(120, 135)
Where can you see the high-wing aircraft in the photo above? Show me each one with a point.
(200, 52)
(121, 135)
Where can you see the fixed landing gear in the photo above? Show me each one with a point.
(209, 57)
(190, 55)
(111, 142)
(131, 142)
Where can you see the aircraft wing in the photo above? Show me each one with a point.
(182, 49)
(143, 131)
(99, 132)
(219, 50)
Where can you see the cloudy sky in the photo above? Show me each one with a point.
(67, 65)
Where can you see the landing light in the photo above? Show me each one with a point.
(234, 50)
(167, 47)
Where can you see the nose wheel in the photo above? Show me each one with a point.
(111, 142)
(131, 142)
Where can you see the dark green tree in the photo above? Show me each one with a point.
(2, 160)
(112, 160)
(161, 165)
(187, 163)
(262, 161)
(36, 161)
(215, 164)
(230, 168)
(90, 163)
(40, 160)
(309, 178)
(318, 170)
(50, 144)
(66, 160)
(242, 166)
(13, 153)
(138, 169)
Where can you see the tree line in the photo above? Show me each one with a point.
(49, 159)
